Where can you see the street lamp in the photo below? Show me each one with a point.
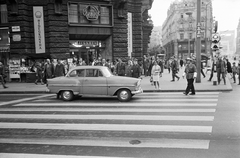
(189, 46)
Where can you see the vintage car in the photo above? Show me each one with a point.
(94, 80)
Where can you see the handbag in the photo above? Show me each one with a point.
(151, 79)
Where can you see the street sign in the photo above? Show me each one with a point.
(15, 28)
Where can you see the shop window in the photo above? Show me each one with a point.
(4, 14)
(58, 6)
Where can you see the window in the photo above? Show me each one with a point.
(190, 35)
(90, 14)
(181, 36)
(4, 14)
(93, 73)
(77, 73)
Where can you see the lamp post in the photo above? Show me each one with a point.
(206, 29)
(198, 43)
(189, 44)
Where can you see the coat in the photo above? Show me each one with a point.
(59, 70)
(190, 69)
(120, 69)
(136, 71)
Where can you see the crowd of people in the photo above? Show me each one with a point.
(152, 66)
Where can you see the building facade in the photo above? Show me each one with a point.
(64, 29)
(238, 40)
(179, 28)
(227, 43)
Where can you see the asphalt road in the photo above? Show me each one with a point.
(151, 125)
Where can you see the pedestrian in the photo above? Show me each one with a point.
(238, 72)
(128, 68)
(221, 70)
(48, 70)
(39, 74)
(81, 62)
(155, 74)
(229, 68)
(191, 73)
(136, 69)
(151, 63)
(175, 69)
(234, 72)
(2, 75)
(181, 62)
(202, 68)
(120, 68)
(59, 69)
(169, 65)
(145, 65)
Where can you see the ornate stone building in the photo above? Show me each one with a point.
(238, 40)
(39, 29)
(179, 28)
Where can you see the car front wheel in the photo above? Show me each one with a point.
(124, 95)
(67, 95)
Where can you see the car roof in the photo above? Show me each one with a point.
(90, 67)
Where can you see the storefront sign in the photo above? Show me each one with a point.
(130, 37)
(39, 29)
(85, 43)
(4, 49)
(16, 37)
(91, 12)
(15, 28)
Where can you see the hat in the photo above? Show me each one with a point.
(190, 59)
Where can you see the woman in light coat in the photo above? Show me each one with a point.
(155, 74)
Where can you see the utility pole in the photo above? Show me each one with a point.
(198, 42)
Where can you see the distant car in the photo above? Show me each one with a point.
(94, 80)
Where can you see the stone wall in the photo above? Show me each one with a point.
(120, 30)
(55, 25)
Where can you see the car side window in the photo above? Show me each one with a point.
(80, 73)
(73, 73)
(93, 73)
(77, 73)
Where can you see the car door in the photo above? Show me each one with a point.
(94, 82)
(78, 74)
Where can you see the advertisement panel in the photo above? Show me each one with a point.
(39, 29)
(130, 37)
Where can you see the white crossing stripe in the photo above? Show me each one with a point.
(177, 93)
(107, 127)
(177, 100)
(193, 104)
(116, 142)
(152, 110)
(26, 155)
(25, 99)
(107, 117)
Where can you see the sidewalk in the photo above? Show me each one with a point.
(165, 84)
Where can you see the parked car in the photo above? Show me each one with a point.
(94, 80)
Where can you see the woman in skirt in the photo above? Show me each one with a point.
(155, 73)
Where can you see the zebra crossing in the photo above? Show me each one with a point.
(151, 120)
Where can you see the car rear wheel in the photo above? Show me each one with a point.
(67, 95)
(124, 95)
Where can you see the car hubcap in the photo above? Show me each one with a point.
(66, 94)
(124, 95)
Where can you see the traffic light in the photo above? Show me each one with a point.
(215, 41)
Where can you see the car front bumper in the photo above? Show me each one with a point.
(138, 91)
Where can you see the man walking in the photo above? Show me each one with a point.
(174, 66)
(190, 73)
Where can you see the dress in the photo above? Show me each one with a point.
(156, 69)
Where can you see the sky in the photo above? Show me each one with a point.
(226, 12)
